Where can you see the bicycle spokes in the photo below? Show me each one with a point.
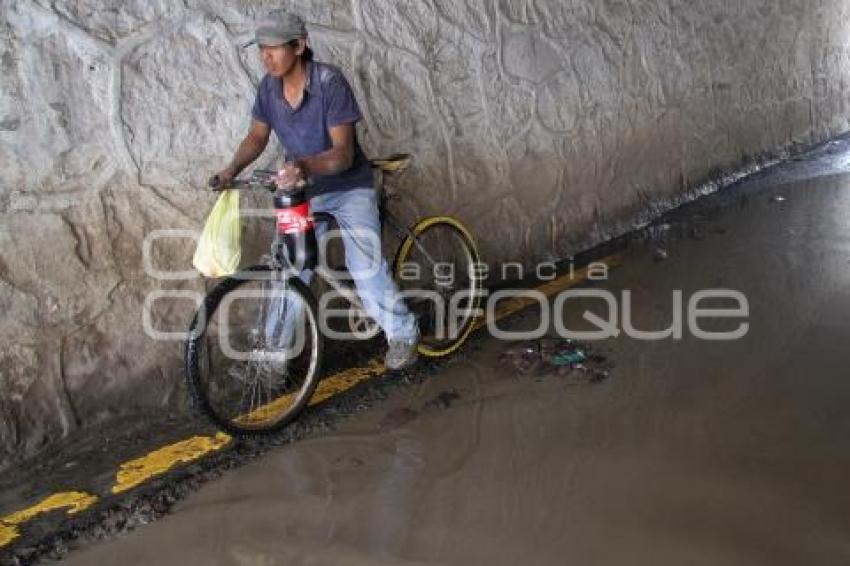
(261, 352)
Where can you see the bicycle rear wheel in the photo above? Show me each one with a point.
(435, 268)
(254, 352)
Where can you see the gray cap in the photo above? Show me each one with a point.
(279, 29)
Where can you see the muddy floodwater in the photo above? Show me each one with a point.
(689, 451)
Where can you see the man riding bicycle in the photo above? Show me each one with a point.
(312, 110)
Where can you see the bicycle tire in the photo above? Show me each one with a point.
(464, 238)
(240, 424)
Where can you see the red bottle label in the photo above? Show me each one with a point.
(294, 220)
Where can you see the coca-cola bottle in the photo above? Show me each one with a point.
(295, 230)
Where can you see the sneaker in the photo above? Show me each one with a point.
(401, 353)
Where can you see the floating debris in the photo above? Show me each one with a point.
(778, 198)
(563, 358)
(569, 358)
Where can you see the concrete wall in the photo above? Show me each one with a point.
(546, 125)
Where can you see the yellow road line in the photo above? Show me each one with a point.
(328, 387)
(74, 501)
(135, 472)
(347, 379)
(8, 533)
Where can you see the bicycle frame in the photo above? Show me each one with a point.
(329, 276)
(264, 179)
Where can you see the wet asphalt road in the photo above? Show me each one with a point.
(690, 452)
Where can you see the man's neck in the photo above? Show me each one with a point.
(293, 82)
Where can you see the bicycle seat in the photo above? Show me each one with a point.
(393, 163)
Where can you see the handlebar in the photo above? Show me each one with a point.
(260, 179)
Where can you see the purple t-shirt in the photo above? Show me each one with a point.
(304, 131)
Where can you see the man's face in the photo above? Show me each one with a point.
(279, 59)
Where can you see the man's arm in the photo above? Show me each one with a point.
(335, 160)
(249, 150)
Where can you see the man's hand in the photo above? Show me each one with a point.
(292, 175)
(223, 178)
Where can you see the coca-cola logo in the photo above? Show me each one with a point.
(293, 220)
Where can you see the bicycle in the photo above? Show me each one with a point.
(262, 376)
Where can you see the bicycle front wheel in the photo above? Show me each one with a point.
(254, 352)
(436, 269)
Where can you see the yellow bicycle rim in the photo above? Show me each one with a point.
(404, 252)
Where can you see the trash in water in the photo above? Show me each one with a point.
(563, 358)
(567, 358)
(778, 198)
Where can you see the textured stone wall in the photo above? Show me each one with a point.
(547, 125)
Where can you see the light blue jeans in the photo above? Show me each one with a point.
(356, 214)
